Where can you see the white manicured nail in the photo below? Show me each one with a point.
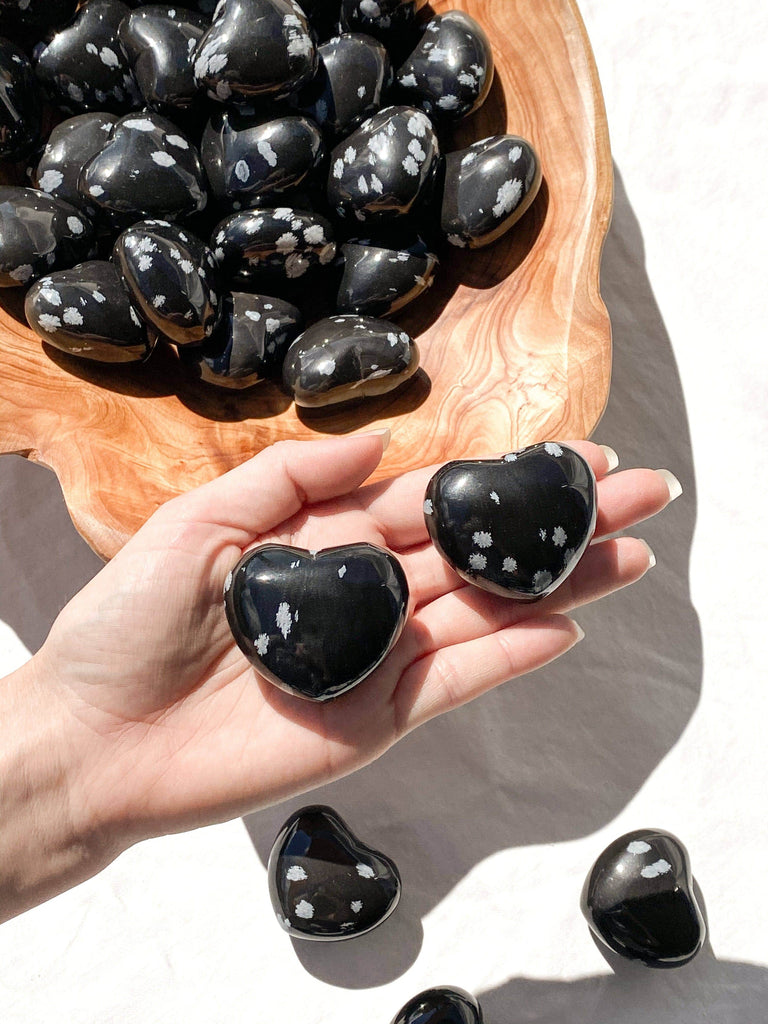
(579, 631)
(673, 484)
(611, 456)
(384, 433)
(651, 556)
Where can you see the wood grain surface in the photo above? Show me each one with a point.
(515, 339)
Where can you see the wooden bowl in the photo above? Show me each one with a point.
(515, 339)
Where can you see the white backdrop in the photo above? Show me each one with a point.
(495, 813)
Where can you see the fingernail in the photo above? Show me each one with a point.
(611, 456)
(579, 632)
(651, 556)
(673, 484)
(383, 432)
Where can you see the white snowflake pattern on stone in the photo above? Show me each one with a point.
(361, 91)
(511, 457)
(356, 906)
(145, 262)
(51, 180)
(477, 561)
(134, 316)
(242, 171)
(92, 48)
(314, 234)
(541, 580)
(508, 197)
(187, 266)
(304, 910)
(140, 124)
(552, 448)
(416, 148)
(418, 124)
(267, 152)
(509, 564)
(370, 9)
(326, 366)
(638, 846)
(286, 242)
(163, 159)
(559, 537)
(362, 184)
(49, 322)
(376, 184)
(494, 497)
(365, 871)
(342, 572)
(296, 265)
(295, 873)
(338, 168)
(253, 314)
(515, 153)
(271, 324)
(158, 301)
(349, 154)
(468, 159)
(428, 509)
(75, 92)
(228, 581)
(327, 253)
(72, 316)
(283, 618)
(410, 165)
(75, 225)
(661, 867)
(408, 81)
(50, 295)
(448, 102)
(482, 539)
(465, 78)
(261, 643)
(109, 57)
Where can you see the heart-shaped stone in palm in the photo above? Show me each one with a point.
(441, 1006)
(316, 623)
(324, 882)
(515, 526)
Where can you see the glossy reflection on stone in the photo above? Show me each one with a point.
(316, 624)
(346, 357)
(449, 73)
(441, 1006)
(639, 901)
(391, 21)
(84, 66)
(86, 312)
(378, 281)
(515, 526)
(325, 884)
(275, 242)
(39, 234)
(172, 277)
(159, 42)
(386, 167)
(487, 188)
(20, 107)
(70, 146)
(249, 344)
(148, 168)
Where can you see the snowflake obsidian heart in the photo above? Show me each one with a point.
(515, 526)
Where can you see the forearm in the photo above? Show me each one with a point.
(46, 845)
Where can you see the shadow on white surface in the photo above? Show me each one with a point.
(558, 754)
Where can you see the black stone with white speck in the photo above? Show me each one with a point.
(487, 188)
(386, 167)
(441, 1006)
(325, 884)
(172, 277)
(346, 357)
(316, 624)
(86, 312)
(248, 345)
(449, 73)
(148, 168)
(159, 42)
(393, 22)
(246, 157)
(378, 281)
(353, 74)
(515, 526)
(39, 234)
(278, 243)
(639, 900)
(20, 107)
(84, 66)
(255, 48)
(70, 146)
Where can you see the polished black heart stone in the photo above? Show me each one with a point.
(639, 900)
(148, 168)
(325, 884)
(248, 345)
(38, 234)
(86, 312)
(441, 1006)
(172, 277)
(31, 19)
(255, 48)
(245, 157)
(386, 167)
(378, 281)
(316, 624)
(278, 242)
(353, 73)
(449, 73)
(159, 42)
(70, 146)
(20, 106)
(487, 188)
(515, 526)
(84, 67)
(346, 357)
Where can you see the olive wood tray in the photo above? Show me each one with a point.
(515, 339)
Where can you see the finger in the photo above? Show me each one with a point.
(631, 496)
(448, 678)
(269, 488)
(429, 575)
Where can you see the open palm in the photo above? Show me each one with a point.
(178, 728)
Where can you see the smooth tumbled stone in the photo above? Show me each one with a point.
(441, 1006)
(515, 526)
(639, 900)
(449, 73)
(378, 281)
(385, 167)
(391, 21)
(172, 277)
(353, 73)
(38, 234)
(255, 48)
(70, 146)
(148, 168)
(346, 357)
(324, 882)
(248, 345)
(159, 42)
(316, 624)
(20, 107)
(86, 312)
(245, 157)
(280, 242)
(84, 66)
(487, 188)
